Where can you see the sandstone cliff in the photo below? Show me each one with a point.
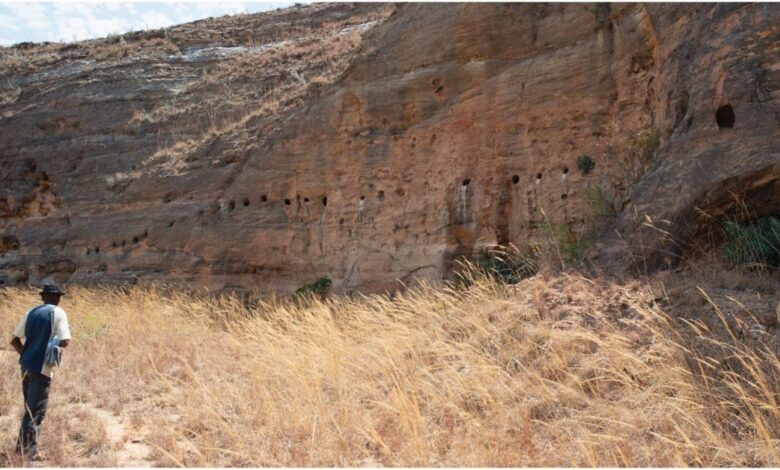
(370, 143)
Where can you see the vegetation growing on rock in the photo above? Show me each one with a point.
(585, 164)
(753, 245)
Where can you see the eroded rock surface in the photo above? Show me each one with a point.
(370, 143)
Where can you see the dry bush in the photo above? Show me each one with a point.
(9, 96)
(109, 50)
(553, 371)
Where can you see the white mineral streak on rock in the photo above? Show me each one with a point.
(362, 26)
(464, 188)
(361, 208)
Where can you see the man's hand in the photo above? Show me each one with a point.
(17, 344)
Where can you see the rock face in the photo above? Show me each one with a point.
(370, 143)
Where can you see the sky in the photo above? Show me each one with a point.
(76, 21)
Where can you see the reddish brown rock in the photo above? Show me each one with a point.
(266, 151)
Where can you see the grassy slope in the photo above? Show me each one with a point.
(555, 371)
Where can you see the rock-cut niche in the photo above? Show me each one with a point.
(725, 117)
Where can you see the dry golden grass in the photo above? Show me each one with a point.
(554, 371)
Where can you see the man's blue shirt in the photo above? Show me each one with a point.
(37, 333)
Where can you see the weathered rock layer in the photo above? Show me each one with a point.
(369, 143)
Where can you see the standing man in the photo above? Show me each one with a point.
(37, 327)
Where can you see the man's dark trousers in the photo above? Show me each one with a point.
(35, 388)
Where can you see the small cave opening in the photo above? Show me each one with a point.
(566, 170)
(135, 239)
(538, 176)
(380, 195)
(515, 179)
(168, 198)
(113, 244)
(362, 198)
(564, 197)
(287, 201)
(246, 202)
(324, 201)
(465, 182)
(439, 87)
(400, 192)
(97, 249)
(264, 198)
(725, 117)
(731, 212)
(231, 205)
(306, 199)
(170, 224)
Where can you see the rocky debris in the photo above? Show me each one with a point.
(369, 143)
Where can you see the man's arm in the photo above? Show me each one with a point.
(62, 327)
(17, 344)
(19, 333)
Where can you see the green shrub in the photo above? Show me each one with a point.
(319, 287)
(752, 245)
(602, 202)
(571, 247)
(508, 266)
(585, 164)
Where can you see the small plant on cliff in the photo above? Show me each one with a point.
(585, 164)
(631, 156)
(642, 148)
(603, 203)
(318, 288)
(753, 245)
(569, 245)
